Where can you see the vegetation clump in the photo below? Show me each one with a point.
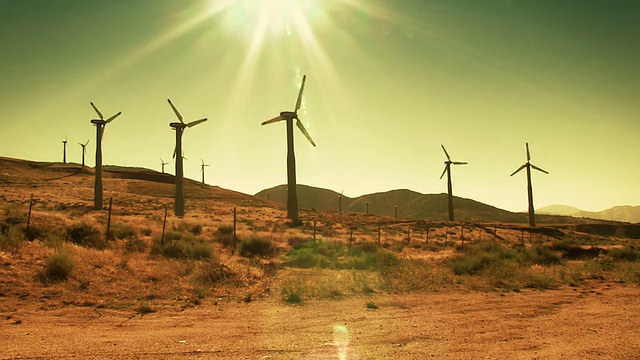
(181, 246)
(57, 268)
(336, 255)
(86, 235)
(255, 246)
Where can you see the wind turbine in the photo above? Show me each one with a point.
(162, 163)
(202, 169)
(179, 127)
(447, 169)
(100, 125)
(84, 151)
(528, 165)
(289, 116)
(64, 150)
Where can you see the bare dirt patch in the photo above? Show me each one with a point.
(599, 320)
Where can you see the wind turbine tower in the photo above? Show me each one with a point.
(528, 165)
(100, 125)
(289, 116)
(202, 170)
(84, 151)
(64, 149)
(162, 163)
(447, 169)
(179, 128)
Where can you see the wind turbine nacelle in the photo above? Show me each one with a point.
(98, 122)
(288, 114)
(177, 125)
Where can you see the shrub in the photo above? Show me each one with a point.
(85, 235)
(120, 231)
(626, 253)
(542, 255)
(135, 245)
(257, 246)
(212, 272)
(224, 230)
(11, 239)
(58, 267)
(182, 249)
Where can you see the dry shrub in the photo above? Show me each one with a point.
(212, 272)
(57, 268)
(86, 235)
(255, 246)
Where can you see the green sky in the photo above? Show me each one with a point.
(388, 82)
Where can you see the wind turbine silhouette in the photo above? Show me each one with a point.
(162, 163)
(447, 169)
(84, 151)
(289, 116)
(64, 150)
(179, 127)
(528, 165)
(202, 169)
(100, 126)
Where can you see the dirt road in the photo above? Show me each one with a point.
(596, 321)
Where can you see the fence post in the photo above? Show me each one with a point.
(314, 231)
(396, 210)
(164, 223)
(350, 236)
(409, 235)
(109, 219)
(426, 237)
(29, 216)
(235, 238)
(378, 232)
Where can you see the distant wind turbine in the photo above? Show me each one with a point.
(100, 126)
(64, 149)
(289, 116)
(528, 165)
(84, 151)
(162, 163)
(179, 127)
(447, 170)
(202, 169)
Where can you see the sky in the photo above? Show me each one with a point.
(388, 82)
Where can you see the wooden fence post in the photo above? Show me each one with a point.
(29, 216)
(164, 224)
(109, 219)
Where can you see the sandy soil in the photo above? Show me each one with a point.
(598, 320)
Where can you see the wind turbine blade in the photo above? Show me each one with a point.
(444, 171)
(175, 111)
(445, 152)
(113, 117)
(459, 163)
(304, 131)
(175, 151)
(275, 119)
(528, 153)
(299, 101)
(97, 111)
(520, 168)
(81, 144)
(202, 161)
(194, 123)
(537, 168)
(85, 144)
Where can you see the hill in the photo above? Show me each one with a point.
(411, 205)
(558, 210)
(617, 213)
(72, 185)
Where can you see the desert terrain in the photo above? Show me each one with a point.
(362, 287)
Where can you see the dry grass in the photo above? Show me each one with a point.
(132, 270)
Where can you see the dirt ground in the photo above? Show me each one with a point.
(597, 320)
